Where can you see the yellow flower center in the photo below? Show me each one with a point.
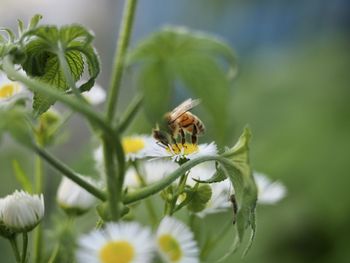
(133, 145)
(9, 89)
(186, 148)
(117, 252)
(171, 247)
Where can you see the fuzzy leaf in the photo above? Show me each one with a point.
(200, 62)
(43, 43)
(54, 76)
(199, 198)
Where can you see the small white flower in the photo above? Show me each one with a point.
(177, 152)
(21, 212)
(117, 242)
(10, 91)
(175, 242)
(269, 192)
(73, 198)
(96, 95)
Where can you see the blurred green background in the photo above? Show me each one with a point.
(292, 89)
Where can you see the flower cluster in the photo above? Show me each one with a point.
(133, 243)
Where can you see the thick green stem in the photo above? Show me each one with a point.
(25, 247)
(163, 183)
(119, 59)
(130, 113)
(46, 89)
(65, 170)
(15, 250)
(112, 179)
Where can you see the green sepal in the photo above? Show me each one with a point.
(217, 177)
(199, 197)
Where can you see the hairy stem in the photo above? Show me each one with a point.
(65, 170)
(38, 189)
(163, 183)
(119, 59)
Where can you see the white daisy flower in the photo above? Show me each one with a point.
(96, 95)
(269, 192)
(74, 199)
(21, 212)
(10, 91)
(117, 243)
(178, 152)
(175, 242)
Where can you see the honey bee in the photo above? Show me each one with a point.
(180, 120)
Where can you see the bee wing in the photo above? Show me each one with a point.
(184, 107)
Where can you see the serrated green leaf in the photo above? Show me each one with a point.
(21, 177)
(240, 174)
(199, 61)
(53, 75)
(199, 197)
(42, 46)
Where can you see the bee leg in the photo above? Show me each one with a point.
(175, 142)
(194, 134)
(183, 137)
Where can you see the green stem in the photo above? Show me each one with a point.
(112, 179)
(119, 59)
(65, 170)
(15, 250)
(54, 253)
(150, 208)
(130, 113)
(35, 86)
(25, 247)
(163, 183)
(39, 189)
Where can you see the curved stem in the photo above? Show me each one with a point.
(15, 250)
(44, 88)
(130, 113)
(161, 184)
(65, 170)
(118, 65)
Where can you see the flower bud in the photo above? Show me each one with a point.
(21, 212)
(74, 199)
